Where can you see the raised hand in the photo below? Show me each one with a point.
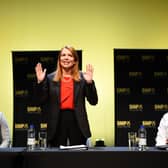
(88, 75)
(40, 73)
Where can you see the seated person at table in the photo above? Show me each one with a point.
(4, 132)
(162, 134)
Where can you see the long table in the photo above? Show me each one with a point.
(99, 157)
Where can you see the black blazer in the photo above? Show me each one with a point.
(48, 91)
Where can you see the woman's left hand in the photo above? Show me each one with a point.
(88, 75)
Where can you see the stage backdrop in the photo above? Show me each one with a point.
(25, 110)
(141, 91)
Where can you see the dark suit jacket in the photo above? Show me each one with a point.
(48, 91)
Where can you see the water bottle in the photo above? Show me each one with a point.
(31, 140)
(142, 138)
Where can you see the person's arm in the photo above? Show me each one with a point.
(40, 73)
(41, 86)
(162, 134)
(5, 132)
(91, 92)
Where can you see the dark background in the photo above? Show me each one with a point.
(135, 70)
(26, 111)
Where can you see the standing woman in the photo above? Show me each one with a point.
(66, 90)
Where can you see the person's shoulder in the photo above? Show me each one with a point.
(1, 115)
(81, 74)
(165, 116)
(51, 75)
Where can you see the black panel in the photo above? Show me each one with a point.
(25, 109)
(141, 82)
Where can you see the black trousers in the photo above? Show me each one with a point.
(68, 131)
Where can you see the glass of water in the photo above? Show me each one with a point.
(132, 140)
(42, 139)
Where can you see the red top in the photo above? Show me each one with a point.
(67, 93)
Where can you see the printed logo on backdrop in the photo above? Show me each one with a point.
(25, 109)
(141, 91)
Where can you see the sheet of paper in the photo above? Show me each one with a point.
(73, 147)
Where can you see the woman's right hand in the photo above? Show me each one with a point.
(40, 73)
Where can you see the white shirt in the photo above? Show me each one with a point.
(162, 133)
(5, 133)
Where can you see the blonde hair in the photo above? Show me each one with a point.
(75, 69)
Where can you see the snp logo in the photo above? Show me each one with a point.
(163, 107)
(21, 126)
(123, 124)
(135, 107)
(33, 109)
(123, 91)
(149, 123)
